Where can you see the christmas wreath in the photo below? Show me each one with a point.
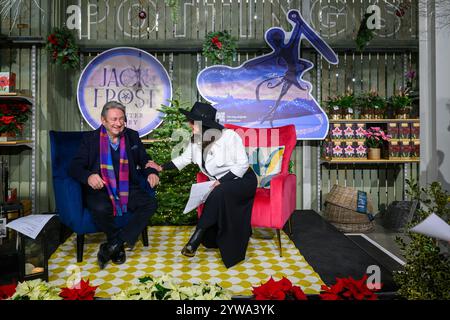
(219, 47)
(62, 48)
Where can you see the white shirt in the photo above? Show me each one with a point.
(225, 155)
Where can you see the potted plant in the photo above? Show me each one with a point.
(425, 275)
(375, 138)
(376, 104)
(12, 118)
(401, 103)
(333, 107)
(347, 103)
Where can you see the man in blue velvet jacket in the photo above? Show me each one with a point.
(107, 165)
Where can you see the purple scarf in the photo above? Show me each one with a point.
(118, 196)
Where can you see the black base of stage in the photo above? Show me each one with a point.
(333, 254)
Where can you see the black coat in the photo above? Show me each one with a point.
(87, 160)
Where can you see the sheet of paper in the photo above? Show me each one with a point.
(30, 225)
(199, 194)
(434, 227)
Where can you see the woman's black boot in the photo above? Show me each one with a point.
(193, 243)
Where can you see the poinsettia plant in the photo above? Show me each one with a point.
(219, 47)
(278, 290)
(375, 137)
(165, 288)
(13, 116)
(81, 291)
(348, 289)
(7, 291)
(36, 290)
(62, 48)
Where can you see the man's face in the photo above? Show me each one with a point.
(114, 122)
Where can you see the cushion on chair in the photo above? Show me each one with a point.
(266, 163)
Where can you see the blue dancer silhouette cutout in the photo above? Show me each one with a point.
(268, 90)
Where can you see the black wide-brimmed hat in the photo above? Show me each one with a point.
(205, 113)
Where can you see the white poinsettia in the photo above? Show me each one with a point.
(36, 290)
(165, 288)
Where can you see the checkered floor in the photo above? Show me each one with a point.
(163, 257)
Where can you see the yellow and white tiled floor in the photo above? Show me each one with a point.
(163, 256)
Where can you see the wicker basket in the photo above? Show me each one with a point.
(340, 210)
(354, 227)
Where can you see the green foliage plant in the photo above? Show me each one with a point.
(426, 274)
(173, 191)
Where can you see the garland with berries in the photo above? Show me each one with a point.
(219, 47)
(63, 49)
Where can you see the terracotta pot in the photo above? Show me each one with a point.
(374, 154)
(348, 116)
(8, 134)
(336, 116)
(402, 116)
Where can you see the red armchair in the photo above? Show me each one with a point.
(272, 207)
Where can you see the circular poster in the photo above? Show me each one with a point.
(130, 76)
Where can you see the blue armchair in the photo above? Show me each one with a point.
(68, 192)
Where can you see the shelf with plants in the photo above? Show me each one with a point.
(373, 120)
(347, 141)
(15, 109)
(368, 161)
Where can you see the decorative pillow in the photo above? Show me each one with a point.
(266, 162)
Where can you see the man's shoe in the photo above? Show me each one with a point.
(191, 247)
(103, 255)
(108, 252)
(119, 257)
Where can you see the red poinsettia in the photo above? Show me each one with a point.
(348, 289)
(217, 42)
(52, 39)
(80, 291)
(7, 291)
(278, 290)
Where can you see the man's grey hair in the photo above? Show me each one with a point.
(113, 105)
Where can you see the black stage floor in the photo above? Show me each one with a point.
(333, 254)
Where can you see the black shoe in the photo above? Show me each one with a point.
(108, 252)
(193, 243)
(119, 257)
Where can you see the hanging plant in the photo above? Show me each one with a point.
(364, 33)
(219, 47)
(62, 48)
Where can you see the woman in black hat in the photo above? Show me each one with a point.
(220, 155)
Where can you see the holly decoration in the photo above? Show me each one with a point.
(219, 47)
(62, 48)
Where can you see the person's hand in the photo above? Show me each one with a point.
(154, 165)
(95, 181)
(215, 184)
(153, 180)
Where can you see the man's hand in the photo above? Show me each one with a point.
(95, 181)
(215, 184)
(153, 180)
(154, 165)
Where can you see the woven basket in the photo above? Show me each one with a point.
(340, 210)
(334, 213)
(353, 227)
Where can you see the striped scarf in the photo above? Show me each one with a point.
(118, 196)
